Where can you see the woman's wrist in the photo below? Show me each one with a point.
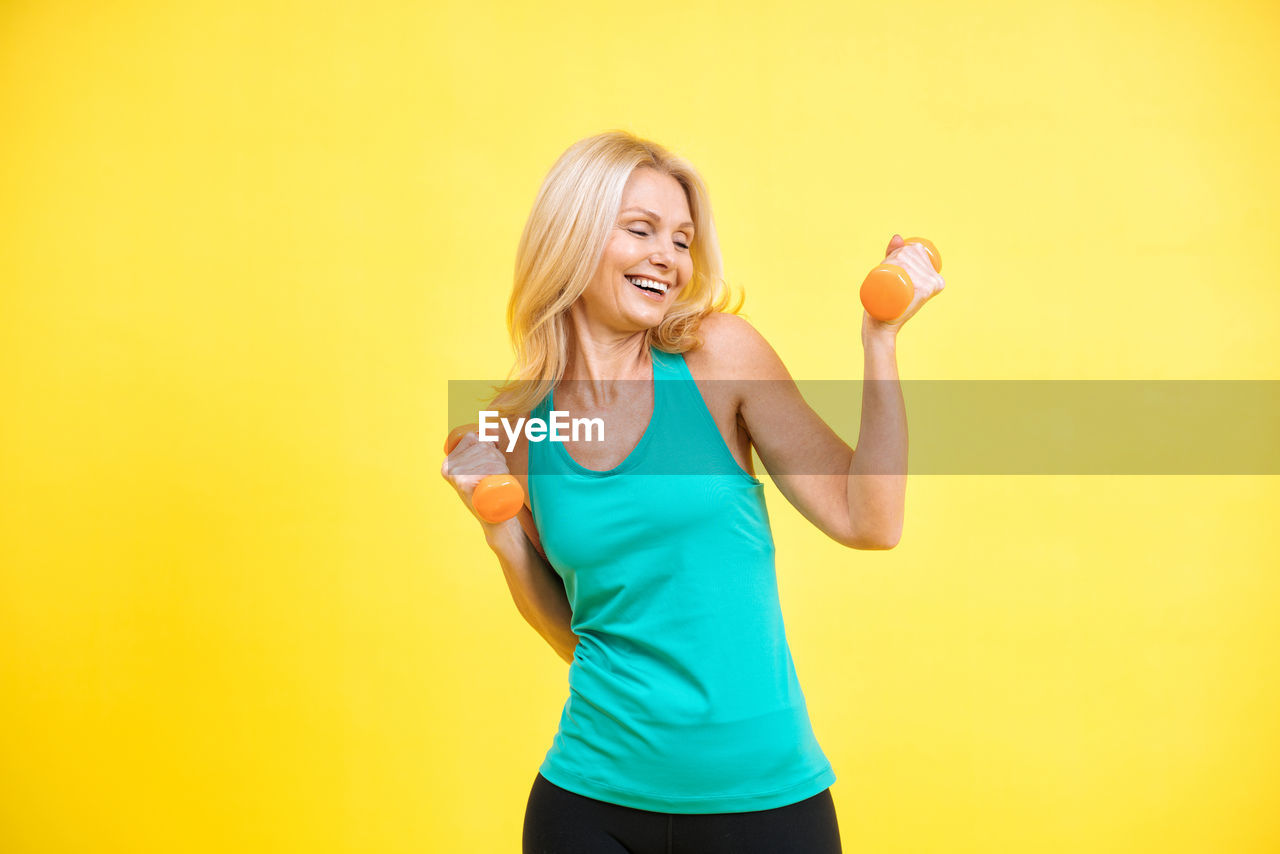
(504, 536)
(879, 337)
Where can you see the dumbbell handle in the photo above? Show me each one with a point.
(497, 497)
(887, 290)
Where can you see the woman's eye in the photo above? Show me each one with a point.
(640, 232)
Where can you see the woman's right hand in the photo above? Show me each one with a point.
(470, 462)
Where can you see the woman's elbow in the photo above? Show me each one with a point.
(872, 541)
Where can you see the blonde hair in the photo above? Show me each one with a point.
(561, 246)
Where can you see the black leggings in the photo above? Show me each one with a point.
(558, 821)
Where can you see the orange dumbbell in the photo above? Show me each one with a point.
(498, 497)
(887, 290)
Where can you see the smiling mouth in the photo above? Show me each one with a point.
(648, 285)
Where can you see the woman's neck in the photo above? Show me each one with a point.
(596, 362)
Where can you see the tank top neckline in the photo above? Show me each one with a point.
(637, 453)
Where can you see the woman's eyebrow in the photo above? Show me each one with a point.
(687, 225)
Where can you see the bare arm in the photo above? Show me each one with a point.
(856, 498)
(878, 472)
(535, 587)
(877, 482)
(811, 465)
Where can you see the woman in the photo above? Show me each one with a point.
(644, 557)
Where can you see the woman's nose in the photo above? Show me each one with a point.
(663, 255)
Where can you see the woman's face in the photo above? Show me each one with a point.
(648, 248)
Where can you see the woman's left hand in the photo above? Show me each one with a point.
(928, 283)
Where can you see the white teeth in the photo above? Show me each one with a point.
(648, 283)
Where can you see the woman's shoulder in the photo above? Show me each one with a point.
(732, 349)
(721, 323)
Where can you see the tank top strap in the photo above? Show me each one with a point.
(692, 442)
(668, 366)
(539, 461)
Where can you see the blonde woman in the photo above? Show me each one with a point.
(644, 557)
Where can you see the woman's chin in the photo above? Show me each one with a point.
(648, 319)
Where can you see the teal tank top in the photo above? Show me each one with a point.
(683, 697)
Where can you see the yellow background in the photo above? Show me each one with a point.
(245, 245)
